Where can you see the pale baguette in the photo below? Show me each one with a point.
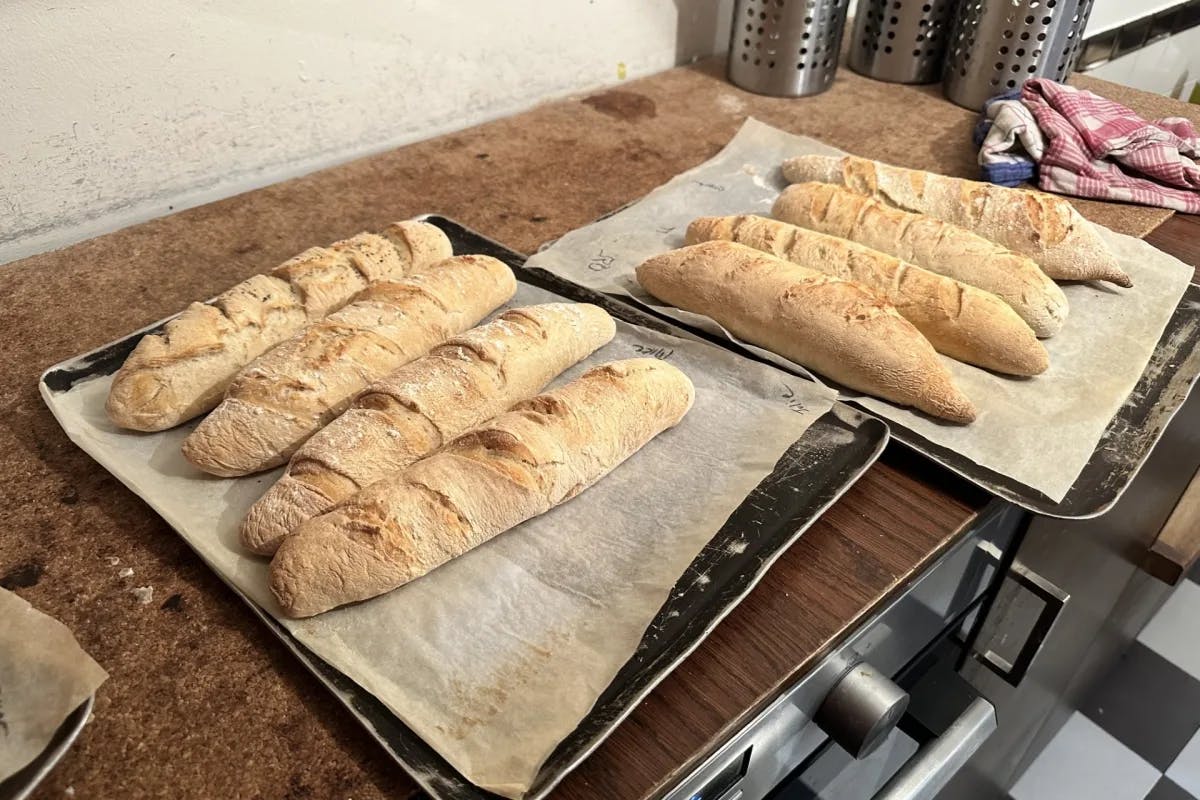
(961, 321)
(427, 402)
(838, 328)
(520, 464)
(289, 393)
(1042, 226)
(931, 243)
(183, 372)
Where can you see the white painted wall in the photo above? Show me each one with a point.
(117, 111)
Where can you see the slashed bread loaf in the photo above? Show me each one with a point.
(173, 376)
(286, 395)
(414, 410)
(838, 328)
(961, 321)
(929, 242)
(1042, 226)
(520, 464)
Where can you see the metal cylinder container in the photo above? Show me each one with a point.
(995, 46)
(785, 48)
(902, 41)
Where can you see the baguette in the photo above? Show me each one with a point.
(961, 321)
(288, 394)
(173, 376)
(520, 464)
(1046, 228)
(930, 243)
(414, 410)
(836, 327)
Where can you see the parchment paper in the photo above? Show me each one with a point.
(494, 658)
(1039, 431)
(44, 676)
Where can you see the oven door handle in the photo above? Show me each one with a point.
(927, 772)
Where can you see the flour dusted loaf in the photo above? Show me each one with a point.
(289, 393)
(961, 321)
(520, 464)
(838, 328)
(1042, 226)
(183, 372)
(931, 243)
(414, 410)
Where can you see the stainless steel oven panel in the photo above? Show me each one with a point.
(784, 734)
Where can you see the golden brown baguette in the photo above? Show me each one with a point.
(961, 321)
(930, 243)
(425, 403)
(1046, 228)
(838, 328)
(289, 393)
(183, 372)
(520, 464)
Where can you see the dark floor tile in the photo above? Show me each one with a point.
(1167, 789)
(1148, 704)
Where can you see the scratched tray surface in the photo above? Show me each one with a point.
(811, 475)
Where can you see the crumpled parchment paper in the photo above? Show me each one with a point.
(1039, 431)
(494, 658)
(44, 676)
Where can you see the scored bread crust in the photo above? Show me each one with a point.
(929, 242)
(173, 376)
(961, 321)
(415, 409)
(1046, 228)
(838, 328)
(518, 465)
(289, 393)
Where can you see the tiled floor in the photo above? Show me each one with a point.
(1137, 736)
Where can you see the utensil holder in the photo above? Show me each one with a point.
(785, 48)
(901, 41)
(996, 46)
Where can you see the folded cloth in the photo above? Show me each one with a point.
(1098, 148)
(1005, 124)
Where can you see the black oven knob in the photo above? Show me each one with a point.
(862, 710)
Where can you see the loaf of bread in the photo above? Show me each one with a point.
(286, 395)
(1042, 226)
(414, 410)
(520, 464)
(930, 243)
(838, 328)
(961, 321)
(183, 372)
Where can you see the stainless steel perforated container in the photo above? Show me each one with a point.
(996, 46)
(902, 41)
(785, 48)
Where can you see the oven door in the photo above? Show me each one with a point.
(885, 711)
(945, 723)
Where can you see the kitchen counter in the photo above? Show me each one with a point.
(202, 700)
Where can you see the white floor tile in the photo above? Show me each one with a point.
(1172, 631)
(1083, 762)
(1186, 769)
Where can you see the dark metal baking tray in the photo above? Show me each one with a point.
(1127, 441)
(814, 472)
(21, 784)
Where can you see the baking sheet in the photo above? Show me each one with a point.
(44, 676)
(1040, 432)
(495, 658)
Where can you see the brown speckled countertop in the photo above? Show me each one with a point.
(202, 701)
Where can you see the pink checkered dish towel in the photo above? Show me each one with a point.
(1101, 149)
